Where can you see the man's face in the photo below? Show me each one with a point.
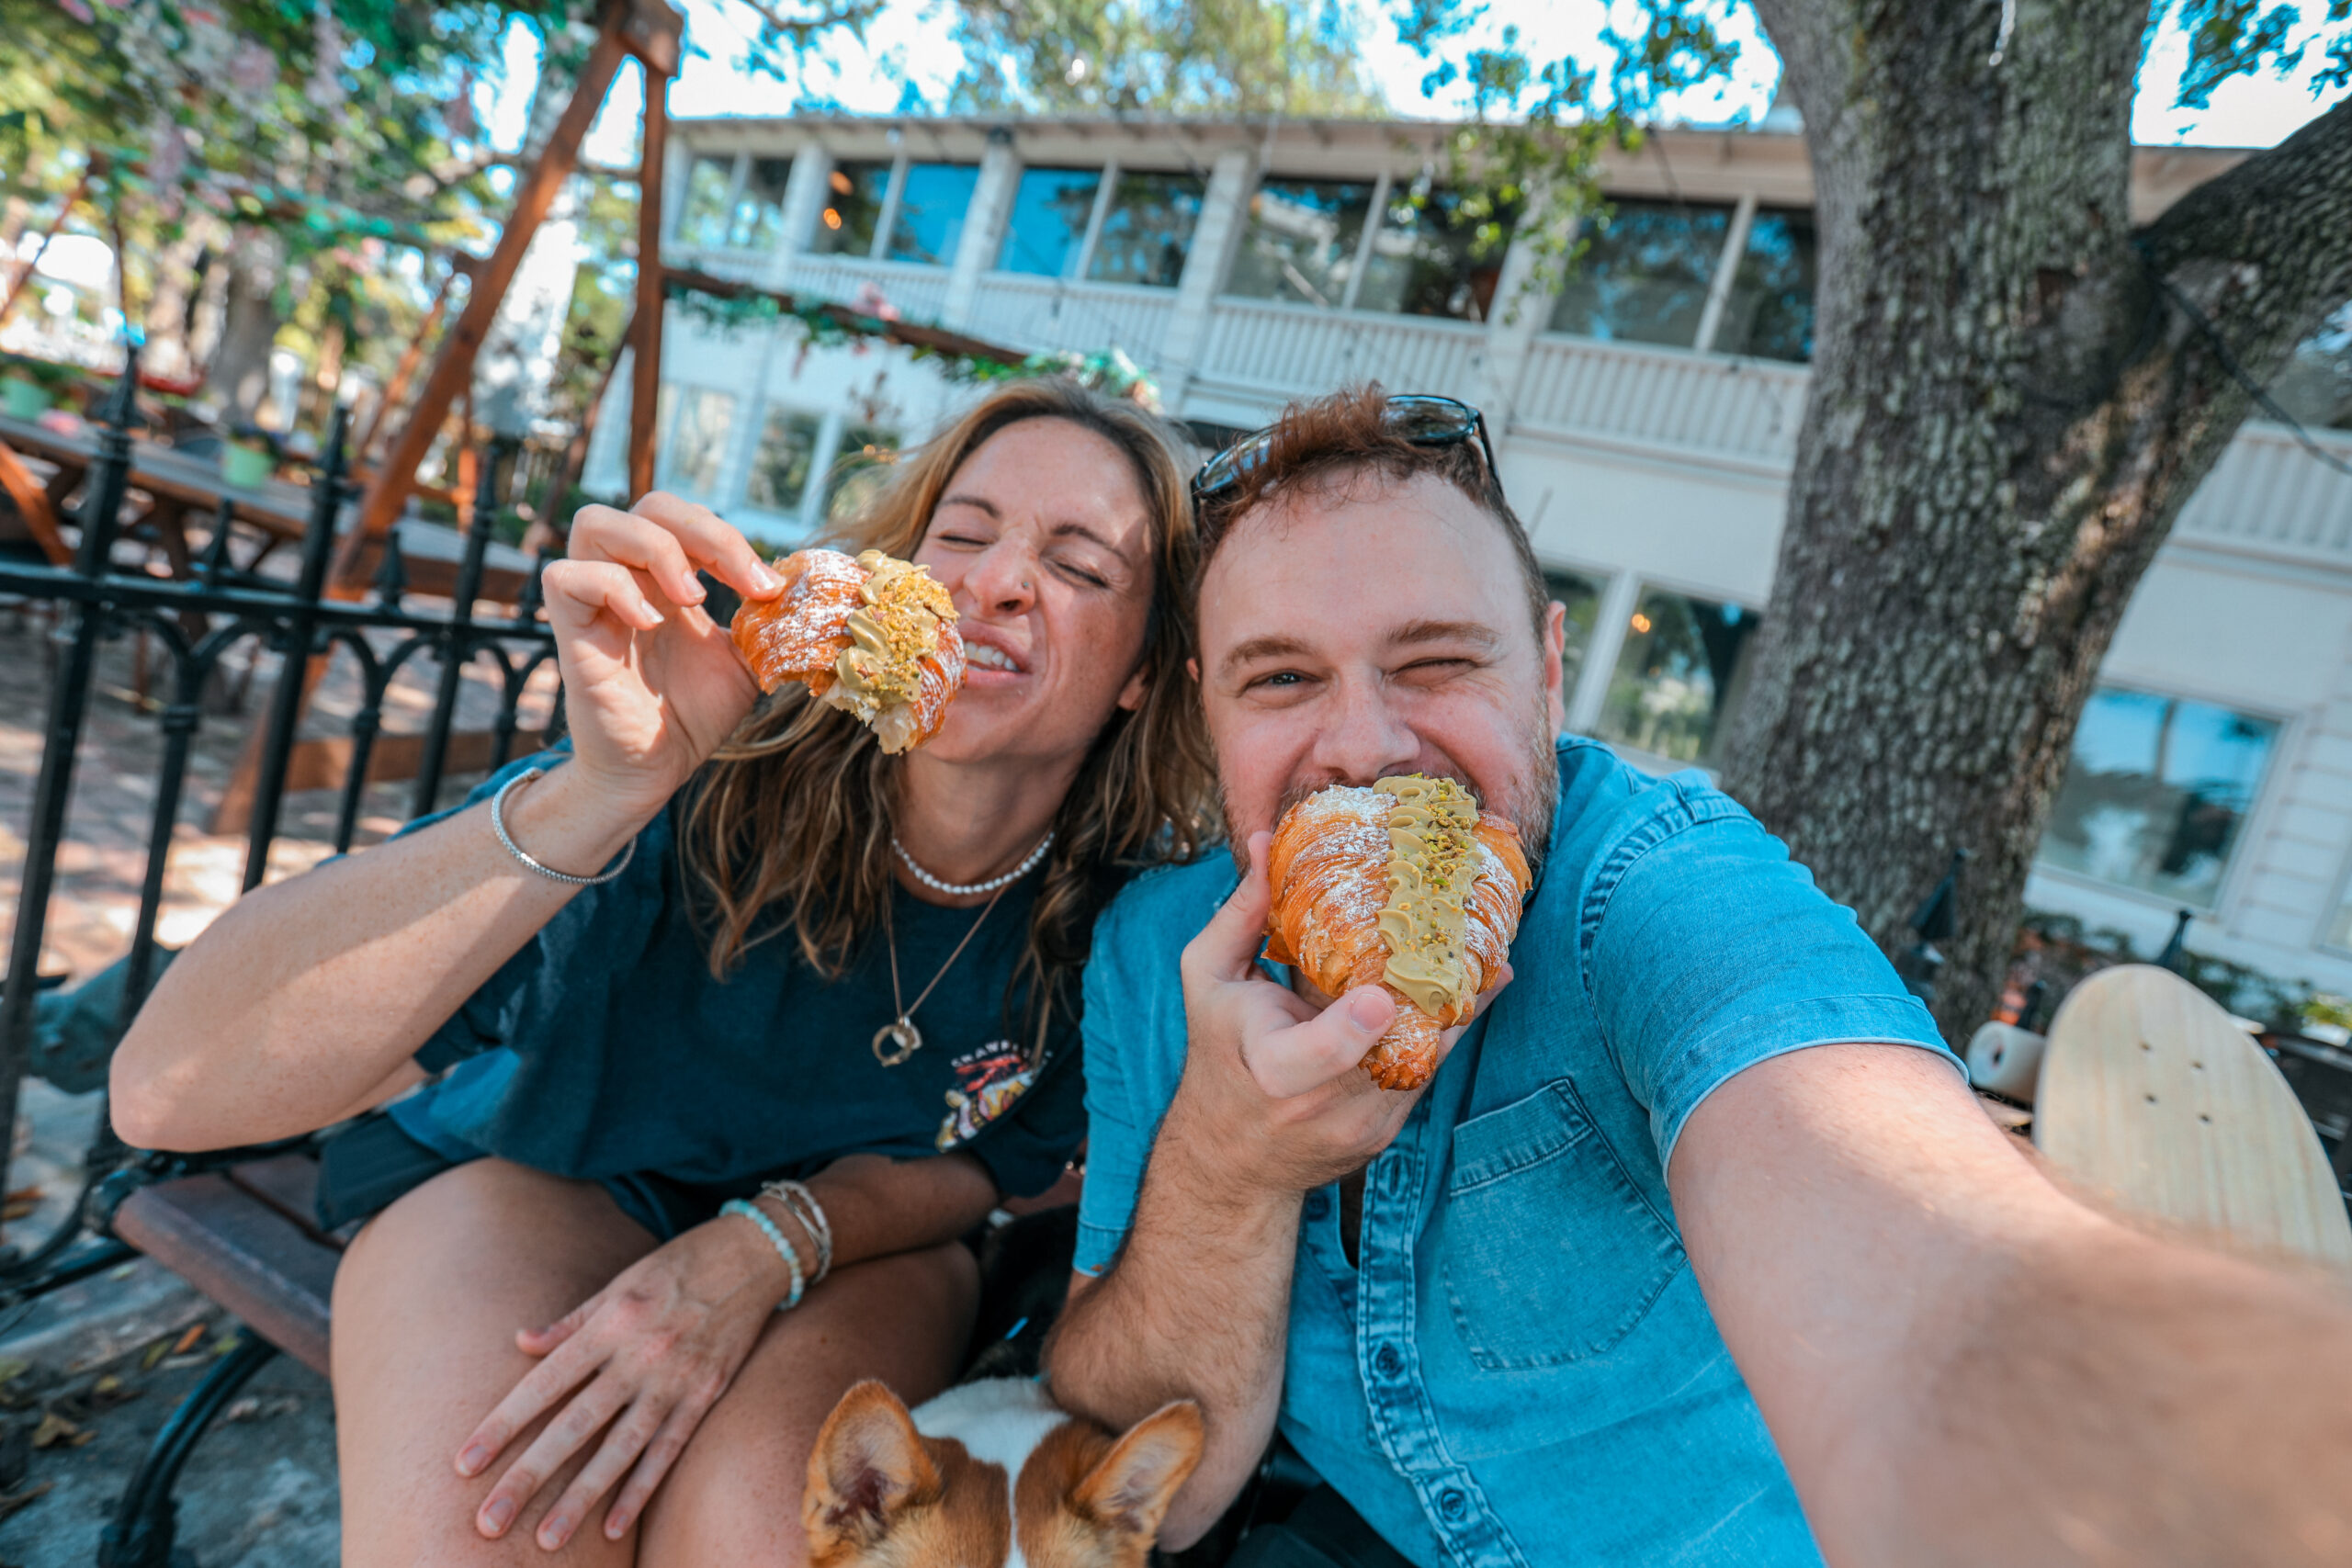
(1371, 628)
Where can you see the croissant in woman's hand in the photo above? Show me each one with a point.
(1408, 885)
(874, 637)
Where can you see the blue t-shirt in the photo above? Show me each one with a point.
(1521, 1370)
(605, 1048)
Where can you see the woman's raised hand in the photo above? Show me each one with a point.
(651, 685)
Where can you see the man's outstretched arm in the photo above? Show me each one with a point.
(1961, 1364)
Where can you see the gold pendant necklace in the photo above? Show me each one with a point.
(899, 1039)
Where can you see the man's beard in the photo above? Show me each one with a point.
(1529, 797)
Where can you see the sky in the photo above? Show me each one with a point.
(912, 42)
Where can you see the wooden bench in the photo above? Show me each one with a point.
(244, 1236)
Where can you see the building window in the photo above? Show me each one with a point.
(1146, 230)
(1051, 210)
(758, 220)
(697, 444)
(1680, 672)
(1769, 314)
(2339, 928)
(702, 217)
(932, 205)
(780, 466)
(2156, 792)
(853, 194)
(1644, 273)
(2315, 388)
(1439, 256)
(860, 466)
(1301, 244)
(1581, 594)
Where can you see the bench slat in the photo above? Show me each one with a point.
(290, 1184)
(247, 1256)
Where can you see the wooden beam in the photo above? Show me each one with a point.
(402, 373)
(453, 366)
(939, 340)
(73, 198)
(645, 380)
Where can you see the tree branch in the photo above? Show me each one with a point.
(2266, 248)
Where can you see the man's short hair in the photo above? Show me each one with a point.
(1320, 444)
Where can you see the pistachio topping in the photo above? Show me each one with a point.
(895, 627)
(1433, 861)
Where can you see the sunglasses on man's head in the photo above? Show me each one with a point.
(1422, 418)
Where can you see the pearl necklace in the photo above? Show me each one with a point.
(967, 890)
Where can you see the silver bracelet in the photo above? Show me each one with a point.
(498, 826)
(802, 1205)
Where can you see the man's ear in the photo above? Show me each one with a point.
(868, 1465)
(1130, 1489)
(1555, 646)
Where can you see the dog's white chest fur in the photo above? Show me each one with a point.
(1000, 1421)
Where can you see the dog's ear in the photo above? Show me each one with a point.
(1130, 1488)
(868, 1465)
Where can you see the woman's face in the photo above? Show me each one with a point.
(1043, 538)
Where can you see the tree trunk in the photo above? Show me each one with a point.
(2009, 409)
(240, 371)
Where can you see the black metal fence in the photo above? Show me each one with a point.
(196, 622)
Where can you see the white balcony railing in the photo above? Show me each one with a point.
(2268, 494)
(1044, 313)
(1691, 403)
(918, 293)
(1283, 350)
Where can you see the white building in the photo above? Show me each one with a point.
(1644, 418)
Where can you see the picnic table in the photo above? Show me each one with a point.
(175, 480)
(178, 482)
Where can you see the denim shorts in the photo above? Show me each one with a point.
(365, 1168)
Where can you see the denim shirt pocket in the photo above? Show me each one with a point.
(1550, 1254)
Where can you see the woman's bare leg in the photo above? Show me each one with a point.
(734, 1496)
(426, 1304)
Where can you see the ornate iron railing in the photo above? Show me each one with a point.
(196, 622)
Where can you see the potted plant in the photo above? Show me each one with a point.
(250, 456)
(28, 386)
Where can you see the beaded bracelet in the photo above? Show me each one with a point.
(775, 1237)
(803, 1206)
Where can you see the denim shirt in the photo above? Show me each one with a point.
(1521, 1371)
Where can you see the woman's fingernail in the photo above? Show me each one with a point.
(472, 1459)
(1366, 1012)
(552, 1533)
(762, 578)
(499, 1514)
(616, 1527)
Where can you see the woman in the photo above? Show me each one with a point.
(811, 962)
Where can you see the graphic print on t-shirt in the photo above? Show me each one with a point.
(986, 1083)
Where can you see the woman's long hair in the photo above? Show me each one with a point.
(789, 828)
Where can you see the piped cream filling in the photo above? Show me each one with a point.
(1433, 863)
(894, 629)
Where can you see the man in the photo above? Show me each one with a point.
(1698, 1220)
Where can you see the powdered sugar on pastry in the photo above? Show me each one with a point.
(1407, 886)
(874, 636)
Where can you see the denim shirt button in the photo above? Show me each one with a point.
(1318, 1204)
(1386, 1361)
(1451, 1503)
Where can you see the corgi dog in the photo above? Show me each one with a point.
(992, 1474)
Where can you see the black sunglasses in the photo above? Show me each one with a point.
(1422, 418)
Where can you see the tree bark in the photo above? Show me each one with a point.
(239, 376)
(2009, 407)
